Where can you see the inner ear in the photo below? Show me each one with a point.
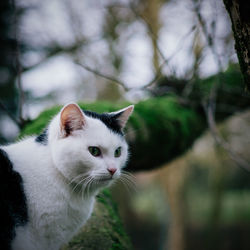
(71, 118)
(123, 115)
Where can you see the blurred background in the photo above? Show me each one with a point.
(56, 51)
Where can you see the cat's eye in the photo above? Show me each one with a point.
(118, 152)
(95, 151)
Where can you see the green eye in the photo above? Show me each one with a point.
(118, 152)
(95, 151)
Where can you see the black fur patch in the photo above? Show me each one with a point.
(13, 207)
(43, 137)
(111, 121)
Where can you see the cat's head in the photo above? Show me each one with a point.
(89, 149)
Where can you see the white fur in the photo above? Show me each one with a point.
(57, 205)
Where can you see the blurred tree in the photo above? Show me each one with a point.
(150, 13)
(173, 182)
(239, 14)
(115, 20)
(10, 96)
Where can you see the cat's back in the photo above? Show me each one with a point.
(13, 207)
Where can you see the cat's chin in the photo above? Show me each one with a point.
(105, 182)
(106, 179)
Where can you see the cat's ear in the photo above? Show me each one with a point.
(123, 115)
(71, 119)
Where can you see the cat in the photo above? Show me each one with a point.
(48, 183)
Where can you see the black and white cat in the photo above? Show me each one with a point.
(48, 183)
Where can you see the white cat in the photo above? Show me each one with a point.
(48, 183)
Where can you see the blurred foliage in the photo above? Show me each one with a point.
(157, 123)
(230, 88)
(8, 44)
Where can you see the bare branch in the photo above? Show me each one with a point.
(55, 50)
(108, 77)
(113, 79)
(209, 37)
(167, 60)
(156, 76)
(220, 141)
(149, 26)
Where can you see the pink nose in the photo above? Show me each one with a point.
(112, 170)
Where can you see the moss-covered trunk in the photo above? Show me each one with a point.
(162, 128)
(239, 11)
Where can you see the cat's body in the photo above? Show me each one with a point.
(55, 213)
(53, 179)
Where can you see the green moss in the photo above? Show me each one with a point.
(36, 126)
(164, 129)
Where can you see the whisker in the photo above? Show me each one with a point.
(88, 185)
(78, 176)
(79, 183)
(128, 173)
(125, 185)
(128, 180)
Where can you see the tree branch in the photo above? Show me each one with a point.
(211, 102)
(156, 76)
(208, 36)
(108, 77)
(220, 141)
(54, 51)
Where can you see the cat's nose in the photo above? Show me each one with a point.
(112, 170)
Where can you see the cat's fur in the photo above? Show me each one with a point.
(46, 190)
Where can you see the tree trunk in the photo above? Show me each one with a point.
(239, 13)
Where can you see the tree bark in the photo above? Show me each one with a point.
(239, 13)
